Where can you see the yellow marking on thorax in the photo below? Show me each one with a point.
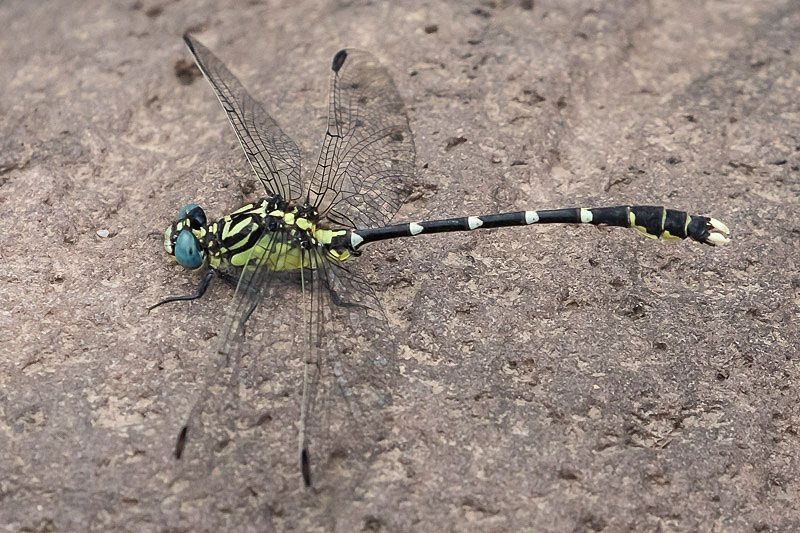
(243, 240)
(228, 231)
(243, 209)
(271, 254)
(275, 256)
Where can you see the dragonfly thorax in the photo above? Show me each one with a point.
(269, 233)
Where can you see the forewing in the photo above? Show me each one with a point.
(367, 158)
(273, 156)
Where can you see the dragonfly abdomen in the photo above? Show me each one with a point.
(653, 221)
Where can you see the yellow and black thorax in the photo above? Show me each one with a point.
(269, 233)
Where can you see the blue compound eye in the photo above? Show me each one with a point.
(186, 209)
(187, 250)
(194, 214)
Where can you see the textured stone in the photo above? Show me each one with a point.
(547, 378)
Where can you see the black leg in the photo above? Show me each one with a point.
(201, 290)
(243, 321)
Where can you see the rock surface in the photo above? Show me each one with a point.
(549, 378)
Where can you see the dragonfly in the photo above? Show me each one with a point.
(308, 227)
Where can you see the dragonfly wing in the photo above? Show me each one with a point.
(347, 385)
(273, 156)
(216, 414)
(318, 328)
(367, 158)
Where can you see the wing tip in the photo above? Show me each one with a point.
(338, 60)
(188, 40)
(180, 444)
(305, 467)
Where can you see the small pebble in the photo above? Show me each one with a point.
(103, 233)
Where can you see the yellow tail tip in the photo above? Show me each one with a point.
(722, 233)
(719, 226)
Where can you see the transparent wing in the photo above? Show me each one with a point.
(273, 156)
(208, 443)
(367, 158)
(306, 360)
(348, 376)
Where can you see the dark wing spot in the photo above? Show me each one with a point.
(305, 467)
(338, 60)
(181, 442)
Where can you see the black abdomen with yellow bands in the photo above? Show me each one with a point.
(653, 221)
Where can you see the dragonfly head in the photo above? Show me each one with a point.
(181, 238)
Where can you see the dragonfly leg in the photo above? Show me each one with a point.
(201, 290)
(340, 302)
(243, 321)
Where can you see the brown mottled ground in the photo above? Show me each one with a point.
(552, 379)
